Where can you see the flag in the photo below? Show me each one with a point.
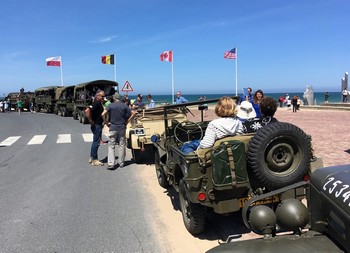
(53, 61)
(108, 59)
(230, 54)
(167, 56)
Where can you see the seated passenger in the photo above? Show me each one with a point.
(268, 107)
(246, 111)
(227, 125)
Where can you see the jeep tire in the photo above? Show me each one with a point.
(193, 214)
(161, 176)
(279, 155)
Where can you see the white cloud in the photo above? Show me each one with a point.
(104, 39)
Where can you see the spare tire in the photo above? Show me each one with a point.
(279, 155)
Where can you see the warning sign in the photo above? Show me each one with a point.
(127, 87)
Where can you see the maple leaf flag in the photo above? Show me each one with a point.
(53, 61)
(167, 56)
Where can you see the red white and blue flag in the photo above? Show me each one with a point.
(230, 54)
(167, 56)
(53, 61)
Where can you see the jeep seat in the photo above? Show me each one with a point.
(204, 154)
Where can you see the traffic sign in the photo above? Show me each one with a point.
(127, 87)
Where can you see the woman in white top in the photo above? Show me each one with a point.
(227, 125)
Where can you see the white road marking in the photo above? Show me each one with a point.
(9, 141)
(37, 139)
(88, 137)
(64, 138)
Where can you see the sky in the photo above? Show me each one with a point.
(282, 46)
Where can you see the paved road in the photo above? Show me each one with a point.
(52, 200)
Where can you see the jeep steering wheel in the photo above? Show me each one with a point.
(187, 129)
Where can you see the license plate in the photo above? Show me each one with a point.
(275, 198)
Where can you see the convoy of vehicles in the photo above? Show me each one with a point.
(237, 168)
(64, 101)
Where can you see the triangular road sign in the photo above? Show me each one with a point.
(127, 87)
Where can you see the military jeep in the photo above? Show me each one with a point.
(322, 224)
(146, 123)
(223, 178)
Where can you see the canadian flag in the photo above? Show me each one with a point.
(167, 56)
(53, 61)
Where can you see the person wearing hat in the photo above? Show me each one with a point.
(246, 111)
(119, 115)
(227, 125)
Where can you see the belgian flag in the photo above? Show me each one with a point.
(108, 59)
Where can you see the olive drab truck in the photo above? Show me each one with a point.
(26, 98)
(235, 169)
(45, 99)
(84, 94)
(64, 100)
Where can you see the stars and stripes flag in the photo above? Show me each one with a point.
(167, 56)
(54, 61)
(230, 54)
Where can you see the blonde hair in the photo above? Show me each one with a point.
(226, 107)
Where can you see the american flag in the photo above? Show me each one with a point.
(230, 54)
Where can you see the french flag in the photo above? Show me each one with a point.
(53, 61)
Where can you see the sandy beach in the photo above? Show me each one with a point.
(329, 129)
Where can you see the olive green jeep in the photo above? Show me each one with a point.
(146, 123)
(224, 177)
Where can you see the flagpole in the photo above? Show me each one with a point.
(61, 73)
(172, 79)
(115, 67)
(236, 63)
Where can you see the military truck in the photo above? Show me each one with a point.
(322, 226)
(45, 99)
(146, 123)
(26, 98)
(223, 178)
(84, 93)
(64, 100)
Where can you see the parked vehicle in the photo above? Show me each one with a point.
(146, 123)
(83, 96)
(45, 99)
(64, 100)
(26, 98)
(322, 226)
(237, 168)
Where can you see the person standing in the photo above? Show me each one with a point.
(94, 115)
(139, 104)
(258, 95)
(151, 103)
(345, 95)
(180, 99)
(119, 116)
(326, 97)
(19, 105)
(295, 103)
(247, 96)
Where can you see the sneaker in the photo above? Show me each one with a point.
(96, 163)
(121, 165)
(90, 160)
(110, 167)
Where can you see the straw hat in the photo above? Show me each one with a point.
(246, 111)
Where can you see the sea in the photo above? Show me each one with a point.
(335, 97)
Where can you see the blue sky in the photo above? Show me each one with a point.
(283, 46)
